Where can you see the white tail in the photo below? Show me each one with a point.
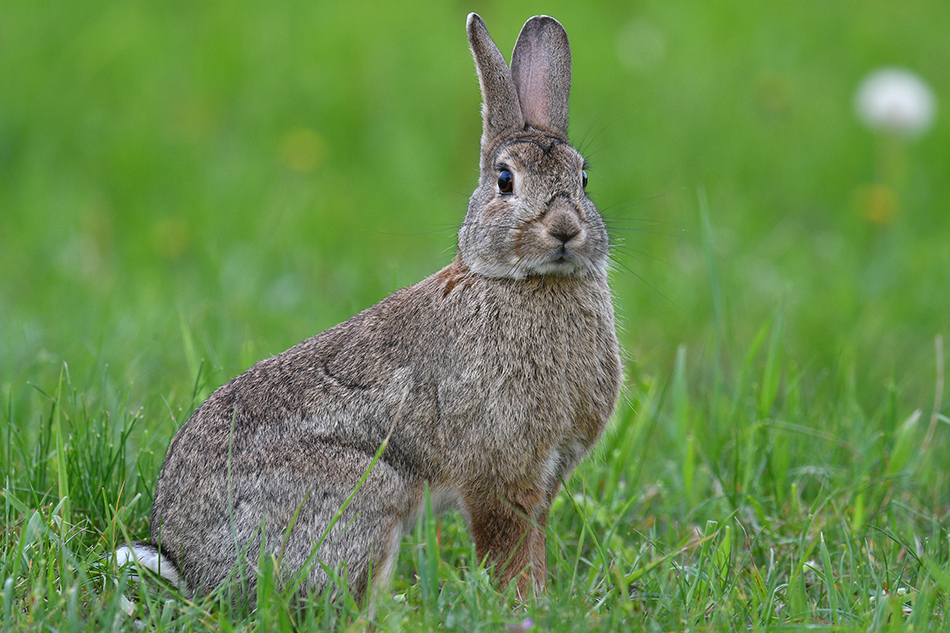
(148, 556)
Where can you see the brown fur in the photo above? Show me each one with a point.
(494, 376)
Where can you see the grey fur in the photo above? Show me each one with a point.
(494, 376)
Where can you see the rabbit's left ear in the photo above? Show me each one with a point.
(541, 71)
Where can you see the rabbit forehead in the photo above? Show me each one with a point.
(542, 154)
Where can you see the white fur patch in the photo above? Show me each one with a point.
(149, 556)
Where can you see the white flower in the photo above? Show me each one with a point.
(896, 100)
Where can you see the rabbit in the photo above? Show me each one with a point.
(486, 382)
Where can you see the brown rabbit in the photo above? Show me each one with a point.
(492, 379)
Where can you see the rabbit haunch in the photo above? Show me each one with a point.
(491, 379)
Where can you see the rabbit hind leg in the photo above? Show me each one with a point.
(348, 529)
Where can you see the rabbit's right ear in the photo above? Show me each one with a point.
(501, 110)
(541, 73)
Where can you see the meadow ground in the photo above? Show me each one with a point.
(186, 188)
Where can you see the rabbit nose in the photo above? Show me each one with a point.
(563, 225)
(564, 234)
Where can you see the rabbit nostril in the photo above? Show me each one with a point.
(564, 234)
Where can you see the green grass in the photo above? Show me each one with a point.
(188, 188)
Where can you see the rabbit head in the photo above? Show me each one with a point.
(530, 214)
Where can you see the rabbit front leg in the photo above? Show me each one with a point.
(509, 533)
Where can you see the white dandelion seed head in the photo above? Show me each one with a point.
(896, 100)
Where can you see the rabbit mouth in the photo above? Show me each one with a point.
(562, 262)
(563, 257)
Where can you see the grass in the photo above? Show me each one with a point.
(185, 190)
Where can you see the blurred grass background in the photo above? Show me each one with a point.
(190, 187)
(260, 171)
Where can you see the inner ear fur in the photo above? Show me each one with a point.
(541, 72)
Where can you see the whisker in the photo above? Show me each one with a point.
(641, 279)
(451, 227)
(641, 201)
(585, 142)
(510, 227)
(613, 218)
(665, 233)
(636, 254)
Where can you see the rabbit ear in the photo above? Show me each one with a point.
(541, 71)
(501, 111)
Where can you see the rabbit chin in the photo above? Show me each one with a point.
(522, 268)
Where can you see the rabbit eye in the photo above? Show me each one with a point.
(506, 182)
(584, 178)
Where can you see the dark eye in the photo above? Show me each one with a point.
(584, 178)
(506, 182)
